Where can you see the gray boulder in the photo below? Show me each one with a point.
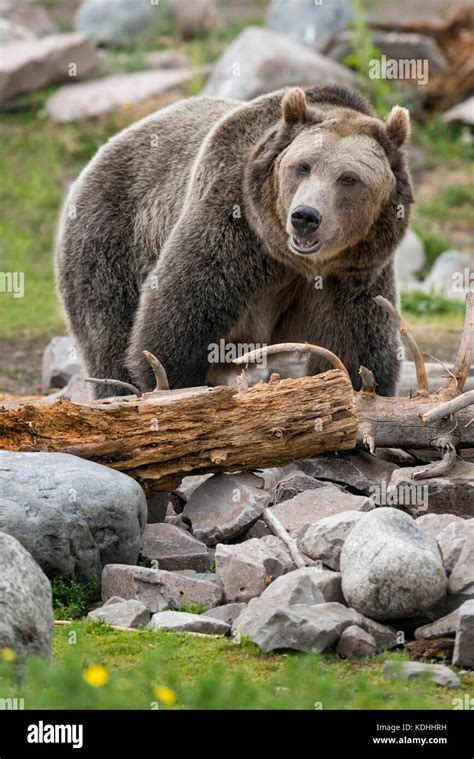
(452, 494)
(323, 541)
(461, 579)
(356, 470)
(125, 613)
(116, 21)
(245, 570)
(26, 618)
(445, 627)
(35, 18)
(355, 643)
(462, 113)
(261, 61)
(463, 655)
(73, 516)
(294, 484)
(297, 626)
(308, 22)
(227, 613)
(181, 621)
(61, 362)
(174, 548)
(410, 258)
(30, 65)
(409, 670)
(158, 589)
(451, 275)
(225, 506)
(388, 568)
(298, 513)
(74, 102)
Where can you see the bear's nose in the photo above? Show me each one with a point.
(305, 220)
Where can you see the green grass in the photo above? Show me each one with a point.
(441, 143)
(422, 304)
(207, 673)
(72, 599)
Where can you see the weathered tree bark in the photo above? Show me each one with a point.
(160, 437)
(163, 436)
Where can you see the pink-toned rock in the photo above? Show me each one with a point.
(30, 65)
(112, 93)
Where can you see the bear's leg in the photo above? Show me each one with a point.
(100, 311)
(196, 292)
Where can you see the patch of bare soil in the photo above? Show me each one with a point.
(20, 364)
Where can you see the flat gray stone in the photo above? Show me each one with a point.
(453, 494)
(432, 525)
(75, 102)
(261, 61)
(115, 611)
(328, 582)
(30, 65)
(26, 618)
(245, 570)
(181, 621)
(356, 470)
(74, 516)
(225, 506)
(158, 589)
(388, 568)
(174, 548)
(441, 628)
(463, 655)
(313, 505)
(297, 626)
(323, 540)
(227, 613)
(297, 587)
(356, 643)
(295, 483)
(409, 670)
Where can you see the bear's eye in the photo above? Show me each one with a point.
(303, 168)
(348, 180)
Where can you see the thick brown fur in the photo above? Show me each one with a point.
(176, 235)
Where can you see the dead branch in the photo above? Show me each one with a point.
(116, 383)
(269, 350)
(449, 408)
(277, 529)
(457, 379)
(159, 372)
(441, 467)
(422, 379)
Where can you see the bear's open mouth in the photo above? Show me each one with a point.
(304, 246)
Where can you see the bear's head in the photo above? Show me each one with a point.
(328, 183)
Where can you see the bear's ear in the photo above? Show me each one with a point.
(294, 106)
(398, 125)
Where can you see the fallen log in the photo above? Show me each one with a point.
(160, 437)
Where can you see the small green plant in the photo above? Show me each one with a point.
(421, 303)
(434, 245)
(72, 599)
(380, 92)
(190, 608)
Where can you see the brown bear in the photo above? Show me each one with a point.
(250, 223)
